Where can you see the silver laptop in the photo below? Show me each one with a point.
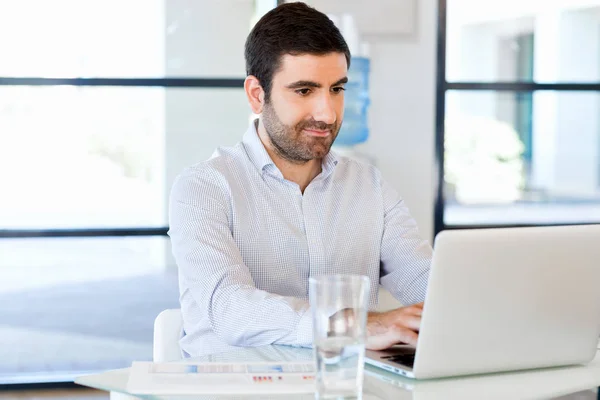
(503, 300)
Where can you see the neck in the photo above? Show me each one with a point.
(301, 173)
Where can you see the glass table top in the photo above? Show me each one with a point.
(380, 384)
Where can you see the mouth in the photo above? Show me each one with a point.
(317, 132)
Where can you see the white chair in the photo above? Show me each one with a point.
(168, 328)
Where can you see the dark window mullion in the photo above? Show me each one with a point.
(99, 232)
(224, 83)
(440, 117)
(521, 86)
(513, 225)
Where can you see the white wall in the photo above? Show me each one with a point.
(402, 115)
(402, 118)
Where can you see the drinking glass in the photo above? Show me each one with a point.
(339, 306)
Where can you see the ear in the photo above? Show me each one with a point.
(255, 94)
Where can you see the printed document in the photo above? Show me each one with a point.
(182, 378)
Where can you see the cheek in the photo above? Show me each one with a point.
(340, 112)
(339, 109)
(293, 111)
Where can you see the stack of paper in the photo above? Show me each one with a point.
(221, 378)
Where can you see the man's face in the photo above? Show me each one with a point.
(304, 113)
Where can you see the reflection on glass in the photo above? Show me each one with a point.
(81, 157)
(102, 157)
(513, 158)
(124, 39)
(76, 305)
(70, 38)
(557, 41)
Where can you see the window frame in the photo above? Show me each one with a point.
(197, 83)
(443, 86)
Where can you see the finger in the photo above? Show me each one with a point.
(409, 337)
(415, 311)
(391, 338)
(411, 322)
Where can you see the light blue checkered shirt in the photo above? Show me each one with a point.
(246, 241)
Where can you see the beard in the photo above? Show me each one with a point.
(292, 143)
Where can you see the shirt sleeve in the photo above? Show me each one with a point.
(405, 255)
(212, 270)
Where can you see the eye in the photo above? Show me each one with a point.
(338, 89)
(303, 91)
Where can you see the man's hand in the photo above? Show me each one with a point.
(399, 326)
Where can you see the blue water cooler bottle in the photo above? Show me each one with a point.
(355, 128)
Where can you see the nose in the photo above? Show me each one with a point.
(325, 110)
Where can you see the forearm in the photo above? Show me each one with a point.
(242, 315)
(375, 325)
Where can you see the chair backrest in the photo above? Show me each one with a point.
(168, 327)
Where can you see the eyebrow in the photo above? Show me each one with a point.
(311, 84)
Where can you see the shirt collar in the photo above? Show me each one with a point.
(329, 163)
(255, 149)
(260, 158)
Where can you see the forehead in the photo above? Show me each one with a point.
(324, 69)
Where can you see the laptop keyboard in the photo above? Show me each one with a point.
(402, 359)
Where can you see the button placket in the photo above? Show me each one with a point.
(313, 239)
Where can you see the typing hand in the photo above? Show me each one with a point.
(399, 326)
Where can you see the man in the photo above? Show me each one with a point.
(253, 223)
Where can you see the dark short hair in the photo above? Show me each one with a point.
(290, 28)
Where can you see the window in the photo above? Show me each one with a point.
(518, 126)
(102, 104)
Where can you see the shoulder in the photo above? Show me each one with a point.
(357, 170)
(212, 176)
